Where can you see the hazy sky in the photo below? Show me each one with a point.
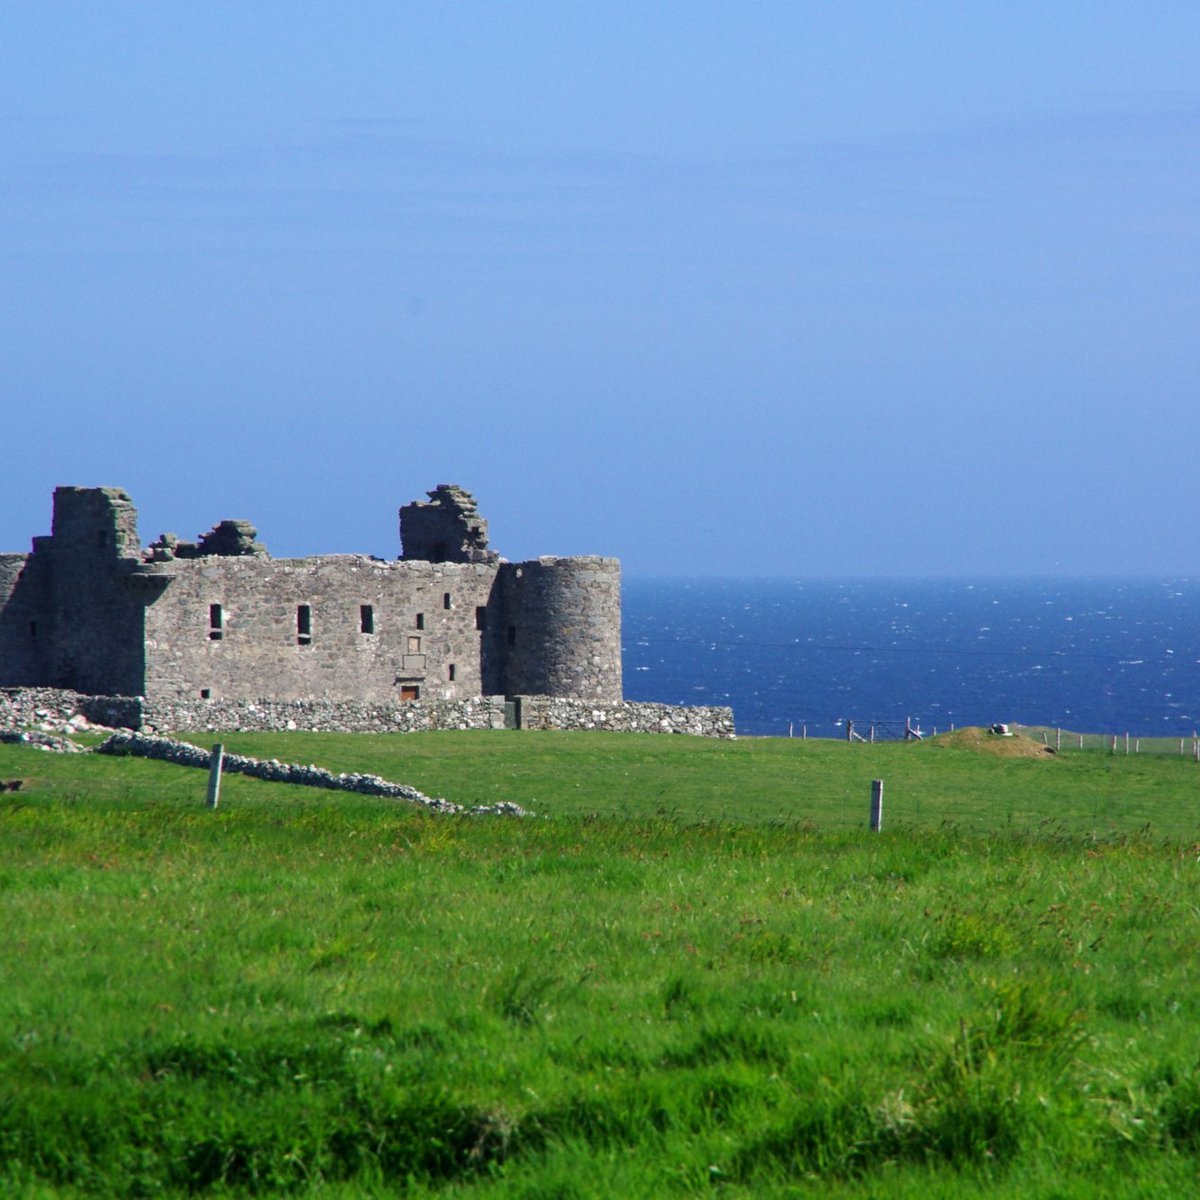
(792, 288)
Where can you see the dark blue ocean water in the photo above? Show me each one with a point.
(1099, 656)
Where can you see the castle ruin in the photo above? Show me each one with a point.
(219, 619)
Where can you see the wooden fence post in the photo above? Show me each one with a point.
(876, 805)
(216, 762)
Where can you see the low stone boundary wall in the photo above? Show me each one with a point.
(331, 716)
(55, 711)
(624, 716)
(187, 755)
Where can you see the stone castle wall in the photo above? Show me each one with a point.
(68, 617)
(336, 627)
(95, 617)
(219, 619)
(23, 628)
(216, 634)
(562, 627)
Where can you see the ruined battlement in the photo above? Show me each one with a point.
(446, 528)
(93, 521)
(219, 619)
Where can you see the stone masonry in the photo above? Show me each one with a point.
(49, 711)
(219, 621)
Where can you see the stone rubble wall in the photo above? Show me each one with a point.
(184, 754)
(36, 740)
(333, 716)
(624, 716)
(54, 711)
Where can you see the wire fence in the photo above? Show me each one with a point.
(908, 729)
(1113, 743)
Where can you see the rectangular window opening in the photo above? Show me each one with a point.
(366, 618)
(216, 623)
(409, 692)
(481, 617)
(451, 672)
(206, 693)
(420, 620)
(303, 624)
(446, 600)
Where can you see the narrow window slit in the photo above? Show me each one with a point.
(303, 624)
(366, 618)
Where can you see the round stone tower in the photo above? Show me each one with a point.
(561, 632)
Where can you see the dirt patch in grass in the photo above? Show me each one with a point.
(972, 738)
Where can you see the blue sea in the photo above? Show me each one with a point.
(1091, 655)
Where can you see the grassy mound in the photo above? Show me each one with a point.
(982, 741)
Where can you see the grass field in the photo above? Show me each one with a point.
(693, 972)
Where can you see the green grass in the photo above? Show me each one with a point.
(818, 783)
(694, 972)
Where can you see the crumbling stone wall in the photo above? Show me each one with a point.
(90, 626)
(484, 712)
(225, 538)
(446, 528)
(328, 716)
(220, 620)
(51, 710)
(58, 710)
(625, 716)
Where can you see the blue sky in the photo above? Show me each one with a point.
(841, 289)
